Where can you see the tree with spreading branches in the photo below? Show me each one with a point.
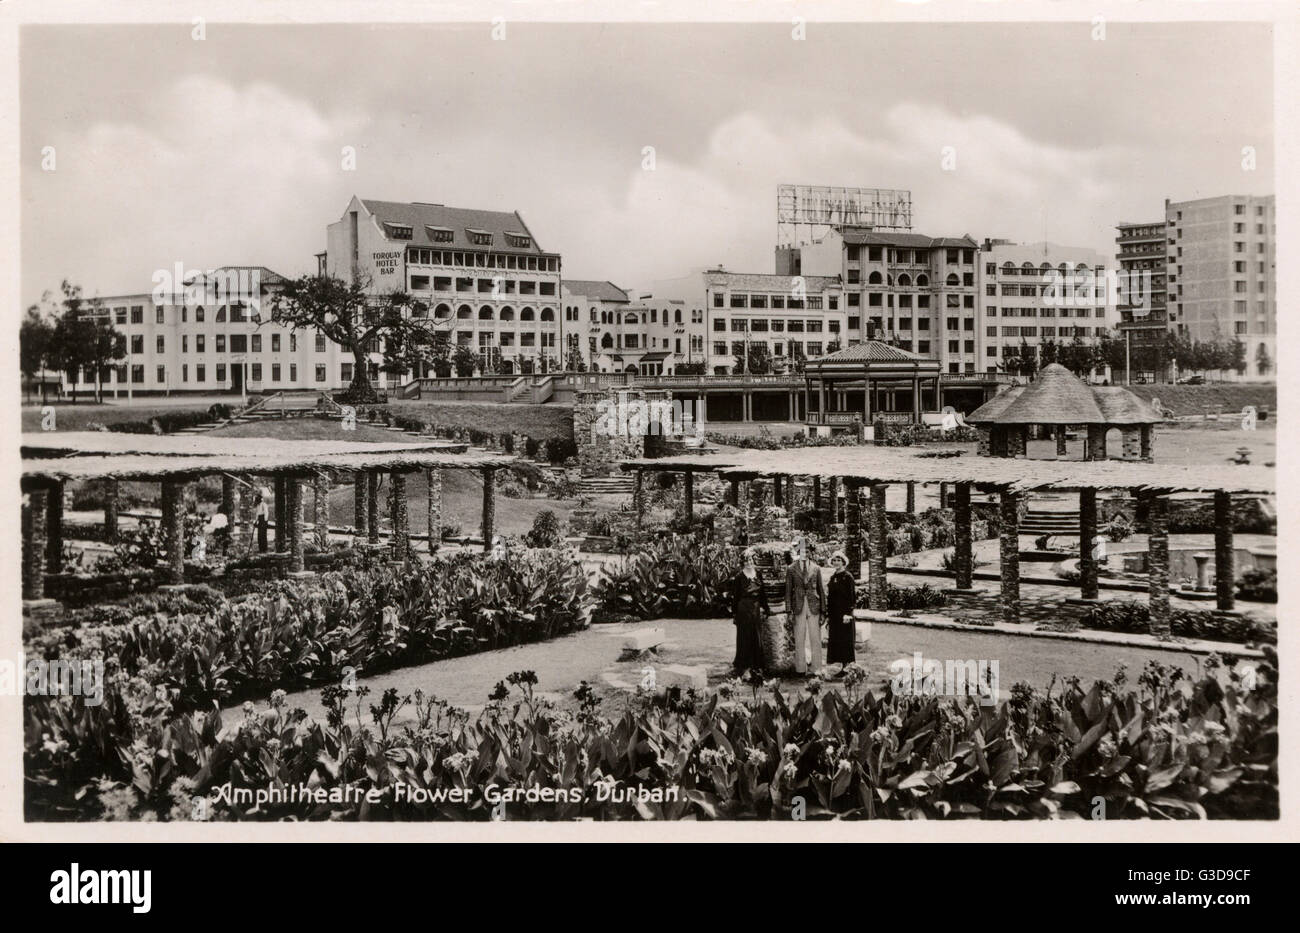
(358, 320)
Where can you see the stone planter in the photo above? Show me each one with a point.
(777, 657)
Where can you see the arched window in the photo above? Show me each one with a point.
(874, 279)
(507, 314)
(1027, 267)
(952, 279)
(464, 312)
(1008, 266)
(526, 314)
(904, 280)
(442, 312)
(419, 309)
(1062, 268)
(607, 342)
(485, 313)
(1045, 267)
(548, 314)
(922, 280)
(677, 316)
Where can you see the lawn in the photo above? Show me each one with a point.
(540, 422)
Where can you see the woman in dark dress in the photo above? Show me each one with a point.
(839, 614)
(749, 608)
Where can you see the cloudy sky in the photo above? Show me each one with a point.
(228, 150)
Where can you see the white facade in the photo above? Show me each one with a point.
(1038, 292)
(203, 340)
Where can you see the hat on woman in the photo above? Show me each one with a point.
(839, 555)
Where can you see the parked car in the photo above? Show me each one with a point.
(1193, 381)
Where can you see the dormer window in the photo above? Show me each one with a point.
(439, 234)
(398, 231)
(479, 237)
(519, 240)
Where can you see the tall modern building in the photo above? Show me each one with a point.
(480, 274)
(1142, 287)
(1222, 274)
(1037, 292)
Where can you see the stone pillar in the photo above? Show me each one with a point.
(372, 507)
(399, 516)
(54, 528)
(746, 507)
(173, 526)
(943, 495)
(247, 504)
(1224, 569)
(1009, 513)
(433, 507)
(1147, 441)
(853, 528)
(281, 524)
(911, 498)
(877, 534)
(489, 506)
(733, 492)
(110, 511)
(1158, 562)
(638, 497)
(1087, 531)
(778, 493)
(33, 532)
(1096, 442)
(360, 512)
(1130, 444)
(817, 494)
(320, 502)
(1060, 440)
(293, 514)
(962, 550)
(229, 509)
(688, 495)
(835, 499)
(983, 445)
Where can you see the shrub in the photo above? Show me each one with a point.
(1258, 585)
(922, 596)
(1119, 528)
(545, 531)
(1132, 616)
(674, 576)
(1168, 750)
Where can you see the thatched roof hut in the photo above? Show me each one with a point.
(1058, 397)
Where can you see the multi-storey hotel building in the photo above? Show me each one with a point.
(1038, 292)
(481, 274)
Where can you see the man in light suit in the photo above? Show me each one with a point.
(805, 600)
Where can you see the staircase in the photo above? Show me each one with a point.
(618, 485)
(1042, 522)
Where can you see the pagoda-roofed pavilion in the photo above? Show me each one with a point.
(1061, 400)
(868, 382)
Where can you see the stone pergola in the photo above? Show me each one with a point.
(866, 472)
(860, 381)
(1060, 400)
(288, 468)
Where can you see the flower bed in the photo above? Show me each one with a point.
(368, 618)
(1133, 616)
(674, 576)
(1170, 749)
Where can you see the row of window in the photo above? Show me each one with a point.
(992, 311)
(795, 348)
(905, 281)
(795, 325)
(1044, 331)
(239, 314)
(472, 260)
(809, 302)
(898, 256)
(493, 286)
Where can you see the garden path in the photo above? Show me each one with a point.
(561, 664)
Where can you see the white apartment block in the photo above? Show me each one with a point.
(1038, 292)
(915, 291)
(1222, 274)
(205, 338)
